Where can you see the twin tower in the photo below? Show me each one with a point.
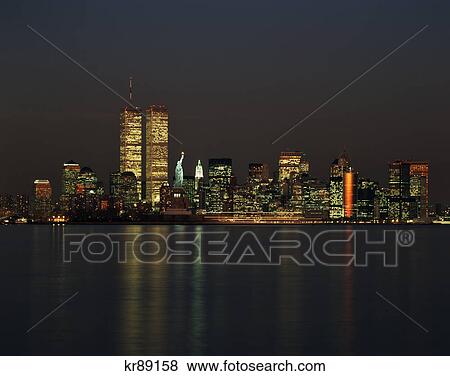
(144, 149)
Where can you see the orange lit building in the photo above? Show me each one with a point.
(350, 194)
(338, 168)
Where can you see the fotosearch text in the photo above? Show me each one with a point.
(329, 247)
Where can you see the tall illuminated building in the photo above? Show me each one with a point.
(418, 178)
(89, 192)
(350, 194)
(337, 170)
(157, 152)
(123, 191)
(408, 190)
(198, 174)
(291, 164)
(70, 173)
(42, 200)
(131, 144)
(199, 187)
(219, 195)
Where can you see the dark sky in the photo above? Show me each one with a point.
(234, 74)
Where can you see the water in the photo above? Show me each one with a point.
(159, 309)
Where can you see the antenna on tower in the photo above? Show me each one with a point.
(131, 89)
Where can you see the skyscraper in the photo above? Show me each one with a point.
(157, 152)
(350, 194)
(89, 191)
(292, 164)
(367, 196)
(418, 178)
(219, 196)
(314, 198)
(70, 173)
(337, 170)
(198, 174)
(42, 200)
(123, 191)
(86, 182)
(408, 190)
(131, 144)
(199, 186)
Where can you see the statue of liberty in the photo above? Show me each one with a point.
(179, 172)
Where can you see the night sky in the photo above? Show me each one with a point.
(234, 74)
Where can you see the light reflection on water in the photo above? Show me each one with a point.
(136, 308)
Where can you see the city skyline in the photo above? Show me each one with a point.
(238, 88)
(141, 185)
(143, 179)
(192, 161)
(290, 193)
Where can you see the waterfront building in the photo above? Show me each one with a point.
(292, 164)
(189, 188)
(131, 144)
(408, 191)
(350, 194)
(337, 170)
(42, 205)
(128, 190)
(367, 194)
(219, 197)
(157, 152)
(243, 199)
(315, 201)
(70, 173)
(198, 174)
(382, 204)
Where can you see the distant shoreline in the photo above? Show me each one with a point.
(225, 223)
